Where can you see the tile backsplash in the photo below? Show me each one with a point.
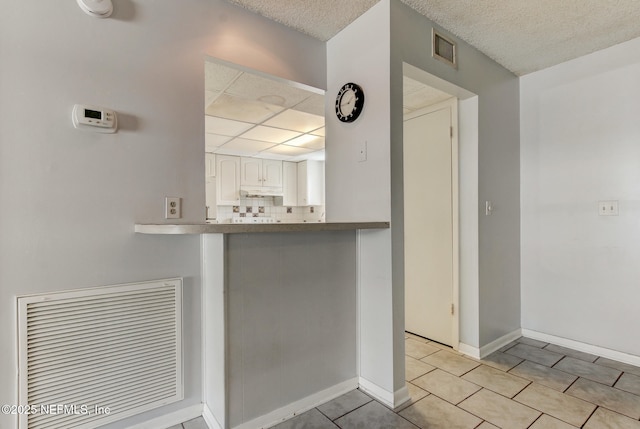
(264, 207)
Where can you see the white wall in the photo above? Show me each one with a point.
(580, 137)
(361, 191)
(75, 196)
(354, 190)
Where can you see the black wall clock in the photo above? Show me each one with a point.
(349, 102)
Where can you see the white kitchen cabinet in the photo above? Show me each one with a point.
(289, 183)
(258, 172)
(311, 183)
(211, 200)
(210, 165)
(227, 180)
(272, 173)
(251, 169)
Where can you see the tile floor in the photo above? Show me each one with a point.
(526, 384)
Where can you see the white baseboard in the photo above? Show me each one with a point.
(468, 350)
(583, 347)
(171, 419)
(299, 407)
(390, 399)
(487, 349)
(209, 418)
(401, 397)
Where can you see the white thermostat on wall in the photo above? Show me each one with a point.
(94, 118)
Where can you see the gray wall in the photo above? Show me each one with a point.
(372, 52)
(498, 166)
(74, 195)
(291, 320)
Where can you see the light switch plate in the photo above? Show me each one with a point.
(488, 208)
(362, 152)
(608, 208)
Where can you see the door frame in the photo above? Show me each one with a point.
(452, 104)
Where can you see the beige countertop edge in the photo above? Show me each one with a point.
(239, 228)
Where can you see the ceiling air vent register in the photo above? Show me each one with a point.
(444, 49)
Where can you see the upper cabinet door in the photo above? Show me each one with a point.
(251, 172)
(228, 180)
(210, 165)
(289, 183)
(311, 183)
(272, 173)
(258, 172)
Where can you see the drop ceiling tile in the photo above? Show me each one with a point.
(235, 152)
(296, 120)
(427, 96)
(225, 127)
(246, 144)
(269, 134)
(314, 104)
(318, 132)
(217, 77)
(212, 141)
(253, 87)
(308, 141)
(236, 108)
(411, 85)
(317, 155)
(282, 149)
(209, 97)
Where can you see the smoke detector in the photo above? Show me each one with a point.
(96, 8)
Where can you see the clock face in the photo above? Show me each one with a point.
(349, 102)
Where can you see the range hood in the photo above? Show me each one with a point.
(260, 192)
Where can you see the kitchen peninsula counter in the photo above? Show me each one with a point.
(240, 228)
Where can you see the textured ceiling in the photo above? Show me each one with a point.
(522, 35)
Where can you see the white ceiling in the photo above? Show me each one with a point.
(522, 35)
(251, 115)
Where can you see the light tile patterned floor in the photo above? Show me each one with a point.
(527, 384)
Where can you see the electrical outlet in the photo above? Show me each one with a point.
(172, 208)
(607, 208)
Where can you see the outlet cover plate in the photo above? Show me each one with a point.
(172, 208)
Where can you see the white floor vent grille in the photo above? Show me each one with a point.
(93, 356)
